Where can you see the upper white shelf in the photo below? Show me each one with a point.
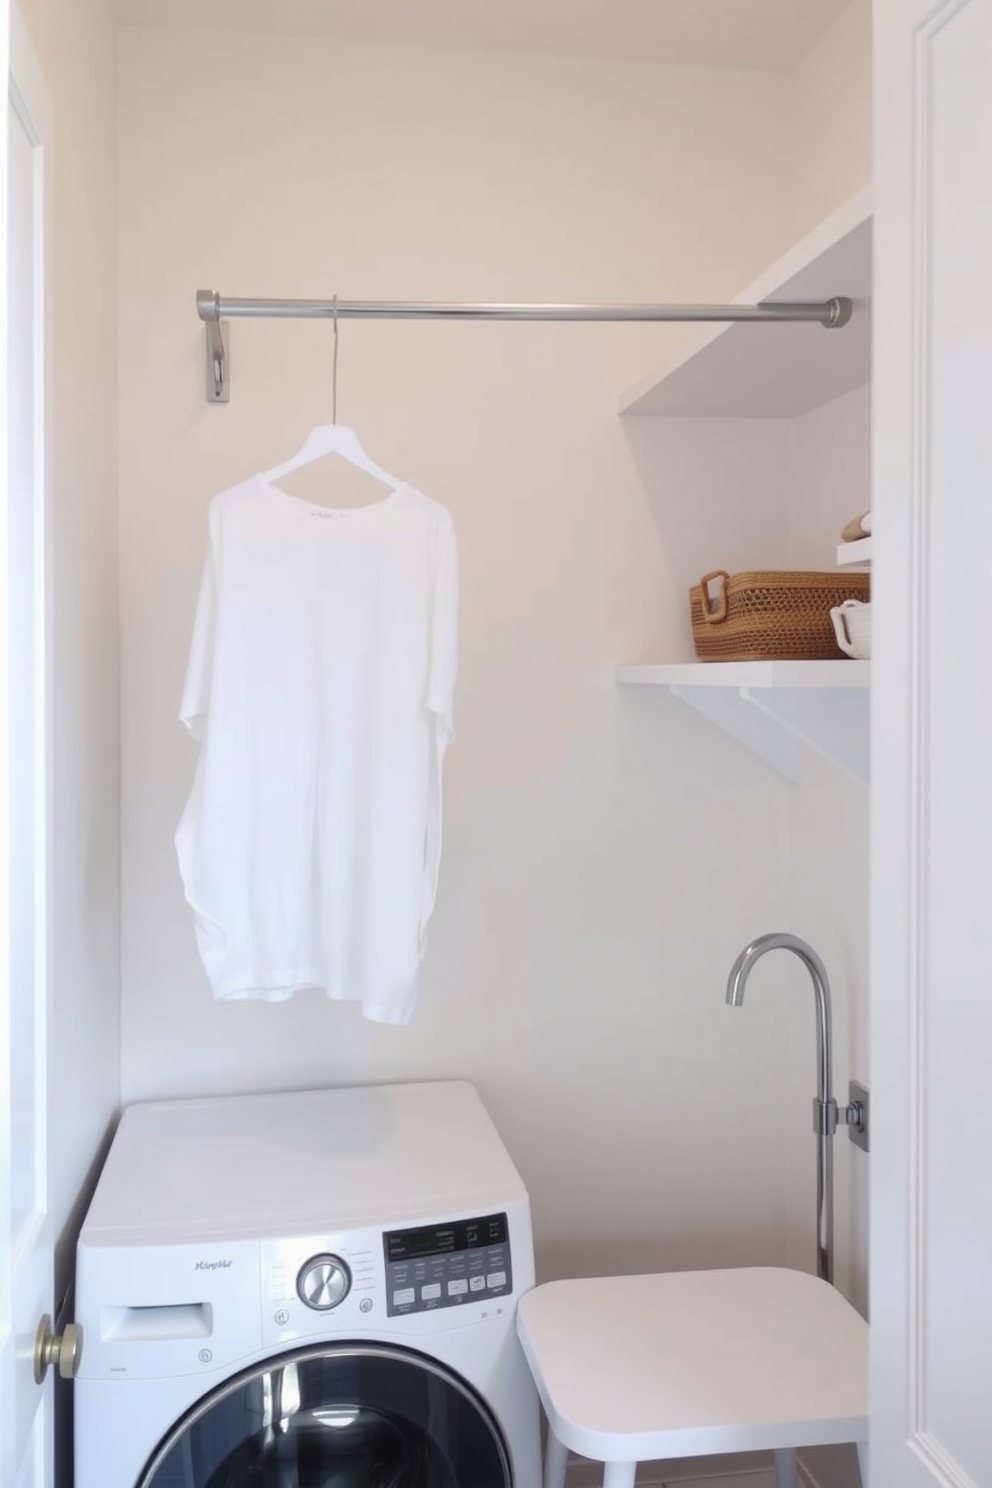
(850, 553)
(749, 674)
(749, 370)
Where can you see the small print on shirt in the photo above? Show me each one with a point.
(320, 686)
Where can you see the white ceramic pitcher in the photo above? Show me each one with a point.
(852, 627)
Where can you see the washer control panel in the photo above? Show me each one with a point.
(447, 1265)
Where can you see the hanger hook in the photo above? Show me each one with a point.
(334, 378)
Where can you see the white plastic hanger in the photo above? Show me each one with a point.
(332, 439)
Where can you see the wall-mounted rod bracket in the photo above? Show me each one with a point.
(218, 347)
(213, 310)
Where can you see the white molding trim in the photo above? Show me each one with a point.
(941, 1464)
(916, 950)
(920, 1441)
(945, 1468)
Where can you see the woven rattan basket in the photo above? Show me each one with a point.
(773, 615)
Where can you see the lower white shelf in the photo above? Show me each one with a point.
(774, 708)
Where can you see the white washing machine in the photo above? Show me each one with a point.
(313, 1290)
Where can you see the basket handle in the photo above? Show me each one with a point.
(718, 613)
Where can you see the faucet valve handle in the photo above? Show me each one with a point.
(828, 1116)
(825, 1116)
(859, 1121)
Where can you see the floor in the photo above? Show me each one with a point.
(749, 1470)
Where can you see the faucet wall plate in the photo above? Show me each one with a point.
(860, 1135)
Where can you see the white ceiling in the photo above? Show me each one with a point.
(770, 34)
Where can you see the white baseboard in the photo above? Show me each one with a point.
(649, 1476)
(754, 1471)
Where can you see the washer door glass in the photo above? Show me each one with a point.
(346, 1417)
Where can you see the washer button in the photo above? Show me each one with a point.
(496, 1279)
(405, 1297)
(458, 1288)
(365, 1305)
(282, 1317)
(478, 1283)
(430, 1293)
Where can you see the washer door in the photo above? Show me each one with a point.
(351, 1416)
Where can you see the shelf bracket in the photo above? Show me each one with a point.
(728, 708)
(775, 723)
(833, 722)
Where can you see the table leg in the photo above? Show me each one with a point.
(863, 1463)
(786, 1468)
(619, 1474)
(555, 1462)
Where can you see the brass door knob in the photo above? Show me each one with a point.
(64, 1349)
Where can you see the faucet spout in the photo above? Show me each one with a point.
(744, 965)
(824, 1106)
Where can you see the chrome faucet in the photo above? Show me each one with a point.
(827, 1115)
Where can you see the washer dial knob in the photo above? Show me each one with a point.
(323, 1282)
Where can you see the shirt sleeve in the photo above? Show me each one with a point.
(440, 703)
(199, 669)
(444, 632)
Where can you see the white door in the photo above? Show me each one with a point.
(931, 1196)
(26, 1433)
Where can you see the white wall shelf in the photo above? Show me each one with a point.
(774, 708)
(759, 371)
(851, 553)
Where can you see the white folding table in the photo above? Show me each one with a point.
(687, 1364)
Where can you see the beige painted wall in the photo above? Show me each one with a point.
(829, 111)
(828, 900)
(815, 471)
(607, 853)
(578, 957)
(75, 41)
(829, 852)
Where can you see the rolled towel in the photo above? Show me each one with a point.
(857, 528)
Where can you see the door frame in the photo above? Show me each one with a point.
(913, 984)
(28, 1279)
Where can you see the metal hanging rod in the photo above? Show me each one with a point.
(214, 309)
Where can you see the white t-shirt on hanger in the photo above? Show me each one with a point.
(320, 685)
